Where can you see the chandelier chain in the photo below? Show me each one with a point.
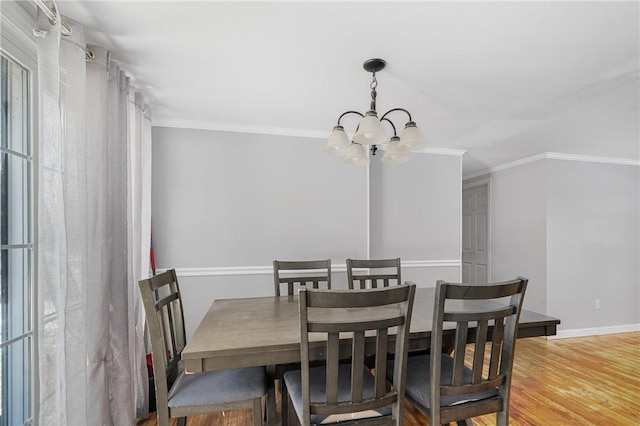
(374, 93)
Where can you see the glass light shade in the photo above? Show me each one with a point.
(411, 138)
(356, 156)
(395, 154)
(370, 131)
(338, 143)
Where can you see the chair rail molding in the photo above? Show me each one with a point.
(268, 270)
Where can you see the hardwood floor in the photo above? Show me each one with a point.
(579, 381)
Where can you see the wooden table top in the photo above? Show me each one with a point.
(265, 331)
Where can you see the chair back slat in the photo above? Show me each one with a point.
(312, 272)
(333, 363)
(459, 353)
(478, 357)
(496, 348)
(381, 362)
(374, 279)
(360, 320)
(475, 321)
(357, 361)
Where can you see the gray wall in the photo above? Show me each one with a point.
(573, 229)
(518, 229)
(593, 245)
(411, 208)
(225, 205)
(233, 199)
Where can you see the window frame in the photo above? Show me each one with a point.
(18, 44)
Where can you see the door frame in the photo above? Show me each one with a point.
(474, 183)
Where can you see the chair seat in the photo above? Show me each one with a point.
(317, 393)
(218, 387)
(418, 384)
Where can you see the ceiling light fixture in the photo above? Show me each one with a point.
(370, 131)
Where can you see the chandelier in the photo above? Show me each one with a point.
(370, 131)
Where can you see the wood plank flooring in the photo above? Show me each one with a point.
(580, 381)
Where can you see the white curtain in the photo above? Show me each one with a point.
(93, 226)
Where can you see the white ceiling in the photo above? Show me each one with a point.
(502, 80)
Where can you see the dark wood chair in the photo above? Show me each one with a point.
(354, 323)
(442, 386)
(382, 278)
(301, 273)
(297, 274)
(179, 394)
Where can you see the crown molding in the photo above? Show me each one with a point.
(592, 159)
(555, 156)
(239, 128)
(276, 131)
(442, 151)
(520, 162)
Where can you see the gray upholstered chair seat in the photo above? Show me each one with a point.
(218, 387)
(317, 392)
(418, 384)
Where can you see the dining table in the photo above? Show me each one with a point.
(265, 331)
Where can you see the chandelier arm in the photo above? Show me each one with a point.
(397, 109)
(390, 122)
(349, 112)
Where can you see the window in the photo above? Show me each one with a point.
(16, 245)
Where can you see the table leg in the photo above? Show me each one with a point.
(271, 396)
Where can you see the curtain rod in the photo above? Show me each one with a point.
(66, 30)
(52, 14)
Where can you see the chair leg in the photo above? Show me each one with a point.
(257, 411)
(284, 404)
(271, 395)
(502, 417)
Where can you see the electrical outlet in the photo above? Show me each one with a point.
(597, 304)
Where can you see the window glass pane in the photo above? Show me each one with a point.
(15, 382)
(14, 95)
(15, 297)
(14, 199)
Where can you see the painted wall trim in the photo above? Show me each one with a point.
(442, 151)
(17, 25)
(268, 130)
(592, 159)
(268, 270)
(556, 156)
(596, 331)
(240, 128)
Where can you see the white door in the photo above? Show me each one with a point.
(475, 234)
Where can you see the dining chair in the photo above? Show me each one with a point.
(296, 274)
(446, 388)
(179, 394)
(353, 323)
(301, 273)
(382, 277)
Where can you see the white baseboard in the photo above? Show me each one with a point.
(597, 331)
